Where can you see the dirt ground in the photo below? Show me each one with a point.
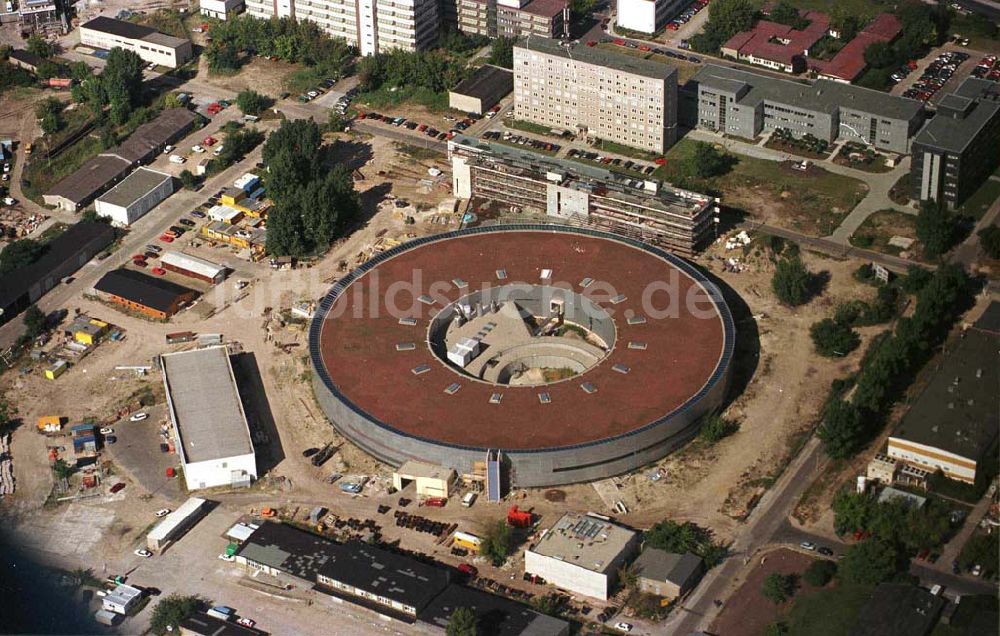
(748, 612)
(261, 74)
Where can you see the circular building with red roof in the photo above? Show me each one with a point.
(576, 354)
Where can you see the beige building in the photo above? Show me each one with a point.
(374, 26)
(667, 574)
(596, 93)
(430, 480)
(882, 468)
(509, 18)
(149, 44)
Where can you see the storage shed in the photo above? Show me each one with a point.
(193, 267)
(431, 480)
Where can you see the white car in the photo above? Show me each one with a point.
(197, 148)
(138, 417)
(625, 627)
(313, 94)
(226, 557)
(808, 545)
(167, 149)
(246, 622)
(107, 431)
(163, 513)
(218, 151)
(9, 200)
(143, 553)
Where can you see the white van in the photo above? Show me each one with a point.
(177, 159)
(469, 499)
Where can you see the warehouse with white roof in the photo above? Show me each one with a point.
(131, 199)
(210, 427)
(193, 266)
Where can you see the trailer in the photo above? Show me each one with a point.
(180, 336)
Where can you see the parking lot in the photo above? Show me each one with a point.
(141, 450)
(934, 76)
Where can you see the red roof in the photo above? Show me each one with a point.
(359, 350)
(849, 62)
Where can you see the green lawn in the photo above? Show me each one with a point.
(981, 200)
(43, 174)
(829, 612)
(383, 98)
(971, 27)
(813, 202)
(528, 126)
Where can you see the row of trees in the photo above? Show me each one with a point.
(912, 528)
(431, 70)
(295, 42)
(312, 203)
(892, 361)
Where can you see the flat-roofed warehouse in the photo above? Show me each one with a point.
(131, 199)
(93, 178)
(210, 426)
(193, 266)
(149, 44)
(582, 554)
(952, 425)
(484, 88)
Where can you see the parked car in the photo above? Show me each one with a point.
(154, 248)
(807, 545)
(226, 557)
(465, 568)
(245, 622)
(197, 214)
(623, 626)
(186, 222)
(158, 271)
(143, 553)
(111, 439)
(825, 551)
(163, 512)
(140, 416)
(107, 431)
(197, 148)
(166, 238)
(120, 486)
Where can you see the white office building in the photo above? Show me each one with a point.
(374, 26)
(221, 9)
(210, 427)
(647, 16)
(582, 554)
(151, 45)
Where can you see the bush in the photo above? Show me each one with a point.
(685, 537)
(715, 428)
(791, 282)
(250, 102)
(819, 573)
(833, 339)
(989, 239)
(169, 612)
(779, 587)
(871, 562)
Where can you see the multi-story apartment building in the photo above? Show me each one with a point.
(647, 16)
(580, 194)
(374, 26)
(960, 146)
(746, 104)
(149, 44)
(509, 18)
(596, 93)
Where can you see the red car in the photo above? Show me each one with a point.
(138, 257)
(643, 47)
(592, 43)
(435, 502)
(660, 161)
(619, 42)
(214, 108)
(465, 568)
(118, 487)
(158, 271)
(361, 115)
(422, 127)
(139, 263)
(209, 141)
(166, 239)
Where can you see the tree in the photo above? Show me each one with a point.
(871, 562)
(791, 282)
(336, 122)
(843, 431)
(62, 469)
(715, 428)
(785, 13)
(188, 180)
(776, 629)
(671, 536)
(936, 228)
(581, 8)
(223, 59)
(37, 45)
(915, 280)
(726, 18)
(502, 52)
(880, 55)
(833, 339)
(8, 416)
(495, 545)
(706, 161)
(250, 102)
(778, 587)
(169, 612)
(989, 239)
(20, 253)
(34, 321)
(462, 622)
(819, 573)
(980, 549)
